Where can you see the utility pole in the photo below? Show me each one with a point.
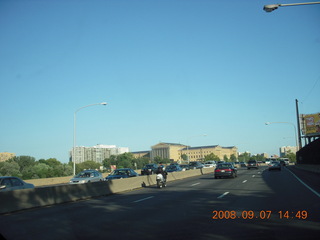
(298, 123)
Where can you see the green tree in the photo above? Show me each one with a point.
(233, 158)
(244, 157)
(184, 157)
(211, 156)
(112, 160)
(158, 160)
(225, 158)
(56, 168)
(10, 169)
(41, 170)
(141, 162)
(67, 169)
(87, 165)
(291, 156)
(24, 162)
(258, 158)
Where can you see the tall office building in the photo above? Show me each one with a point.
(287, 149)
(96, 153)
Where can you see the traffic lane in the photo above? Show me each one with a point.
(247, 193)
(71, 219)
(266, 195)
(184, 209)
(291, 195)
(150, 205)
(310, 178)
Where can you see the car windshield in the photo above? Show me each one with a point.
(119, 172)
(171, 167)
(84, 175)
(224, 166)
(149, 166)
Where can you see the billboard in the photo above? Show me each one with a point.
(311, 124)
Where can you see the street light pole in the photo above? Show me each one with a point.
(271, 7)
(74, 133)
(295, 131)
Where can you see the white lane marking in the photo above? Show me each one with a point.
(143, 199)
(253, 175)
(195, 184)
(221, 196)
(316, 193)
(244, 181)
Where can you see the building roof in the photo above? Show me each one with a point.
(141, 152)
(203, 147)
(170, 144)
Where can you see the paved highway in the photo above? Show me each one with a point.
(258, 204)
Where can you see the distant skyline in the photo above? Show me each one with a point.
(170, 71)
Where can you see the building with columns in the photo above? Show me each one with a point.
(175, 151)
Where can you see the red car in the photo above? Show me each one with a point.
(225, 170)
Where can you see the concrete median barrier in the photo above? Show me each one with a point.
(12, 201)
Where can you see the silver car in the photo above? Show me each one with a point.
(13, 183)
(87, 176)
(209, 164)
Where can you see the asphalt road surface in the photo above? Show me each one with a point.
(258, 204)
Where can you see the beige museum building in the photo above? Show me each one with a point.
(174, 151)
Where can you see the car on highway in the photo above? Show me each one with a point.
(283, 163)
(8, 183)
(275, 165)
(225, 170)
(210, 164)
(122, 173)
(196, 165)
(185, 167)
(243, 164)
(252, 164)
(87, 176)
(173, 168)
(149, 169)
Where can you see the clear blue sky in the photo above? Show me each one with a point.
(170, 71)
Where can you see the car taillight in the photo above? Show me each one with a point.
(217, 170)
(228, 170)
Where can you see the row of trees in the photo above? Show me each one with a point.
(27, 167)
(127, 160)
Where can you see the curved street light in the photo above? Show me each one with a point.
(74, 133)
(295, 131)
(272, 7)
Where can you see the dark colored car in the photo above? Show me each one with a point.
(13, 183)
(275, 165)
(173, 168)
(149, 169)
(283, 163)
(252, 164)
(225, 170)
(243, 164)
(122, 173)
(185, 167)
(196, 165)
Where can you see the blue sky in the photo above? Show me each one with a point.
(170, 70)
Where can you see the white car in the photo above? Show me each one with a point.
(87, 176)
(210, 164)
